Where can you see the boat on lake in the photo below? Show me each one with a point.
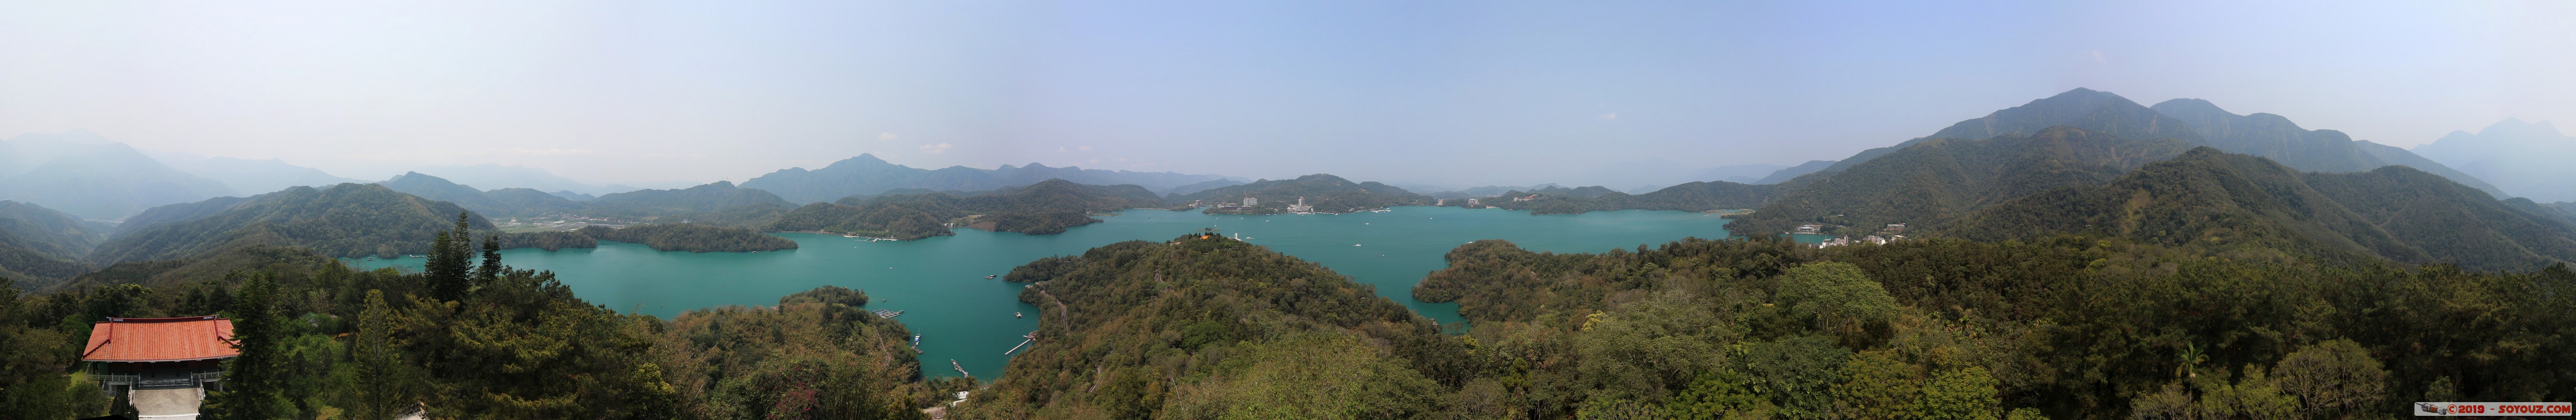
(1016, 315)
(988, 277)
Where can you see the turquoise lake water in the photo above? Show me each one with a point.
(939, 282)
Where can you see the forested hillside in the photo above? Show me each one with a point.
(717, 203)
(2090, 110)
(1208, 327)
(2208, 198)
(2276, 138)
(37, 242)
(1329, 194)
(435, 188)
(2564, 210)
(2059, 327)
(1039, 209)
(346, 220)
(503, 202)
(1939, 180)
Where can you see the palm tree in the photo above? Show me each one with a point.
(2191, 359)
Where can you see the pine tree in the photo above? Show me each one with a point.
(381, 378)
(254, 387)
(451, 259)
(491, 269)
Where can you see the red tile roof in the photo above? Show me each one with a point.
(160, 339)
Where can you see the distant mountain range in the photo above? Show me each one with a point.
(85, 175)
(2192, 121)
(1692, 196)
(2276, 138)
(1793, 172)
(249, 176)
(719, 203)
(495, 176)
(1650, 175)
(866, 175)
(1327, 193)
(1490, 191)
(1047, 207)
(2528, 160)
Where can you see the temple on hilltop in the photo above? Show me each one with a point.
(127, 354)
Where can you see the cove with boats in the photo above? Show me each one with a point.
(939, 284)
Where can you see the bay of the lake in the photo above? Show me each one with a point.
(939, 282)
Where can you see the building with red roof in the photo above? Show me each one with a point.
(138, 353)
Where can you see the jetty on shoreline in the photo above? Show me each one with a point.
(1031, 337)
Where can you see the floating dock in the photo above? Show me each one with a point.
(881, 313)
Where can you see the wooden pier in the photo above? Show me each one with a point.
(1031, 337)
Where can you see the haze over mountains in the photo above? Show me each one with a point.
(866, 175)
(82, 174)
(495, 176)
(249, 176)
(2524, 158)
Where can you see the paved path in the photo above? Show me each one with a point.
(166, 404)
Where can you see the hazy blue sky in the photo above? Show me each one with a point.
(1443, 92)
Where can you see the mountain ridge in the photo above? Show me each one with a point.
(866, 174)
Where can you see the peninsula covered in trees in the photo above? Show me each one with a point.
(689, 237)
(1039, 209)
(1325, 192)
